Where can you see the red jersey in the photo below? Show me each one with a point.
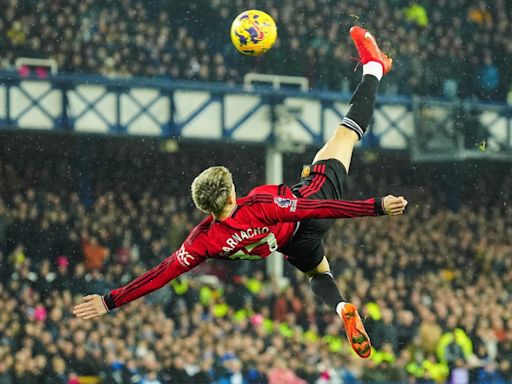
(261, 223)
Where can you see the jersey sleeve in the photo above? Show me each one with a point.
(181, 261)
(286, 209)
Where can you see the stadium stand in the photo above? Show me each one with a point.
(441, 48)
(83, 213)
(434, 284)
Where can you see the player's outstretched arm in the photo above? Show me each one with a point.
(286, 209)
(178, 263)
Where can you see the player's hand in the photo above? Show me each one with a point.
(394, 206)
(92, 307)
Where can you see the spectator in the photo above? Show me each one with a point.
(95, 254)
(178, 41)
(489, 78)
(435, 265)
(416, 14)
(279, 373)
(5, 377)
(488, 374)
(429, 332)
(58, 374)
(385, 331)
(235, 375)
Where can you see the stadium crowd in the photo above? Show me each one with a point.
(434, 285)
(441, 48)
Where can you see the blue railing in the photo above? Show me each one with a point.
(185, 109)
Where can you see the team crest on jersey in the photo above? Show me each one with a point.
(306, 170)
(284, 202)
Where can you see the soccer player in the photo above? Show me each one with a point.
(278, 218)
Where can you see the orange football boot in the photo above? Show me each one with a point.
(368, 49)
(356, 334)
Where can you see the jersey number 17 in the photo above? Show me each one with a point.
(245, 253)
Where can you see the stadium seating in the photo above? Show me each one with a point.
(434, 284)
(441, 48)
(91, 213)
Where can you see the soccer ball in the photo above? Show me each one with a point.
(253, 32)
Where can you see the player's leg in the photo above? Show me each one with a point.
(355, 123)
(323, 286)
(306, 251)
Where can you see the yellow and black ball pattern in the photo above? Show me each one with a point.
(253, 32)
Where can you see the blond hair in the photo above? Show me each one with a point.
(211, 189)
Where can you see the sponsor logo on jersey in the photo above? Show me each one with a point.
(284, 202)
(184, 257)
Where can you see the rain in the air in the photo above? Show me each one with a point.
(255, 192)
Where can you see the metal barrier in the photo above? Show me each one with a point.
(177, 109)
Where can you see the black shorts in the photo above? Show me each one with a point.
(324, 179)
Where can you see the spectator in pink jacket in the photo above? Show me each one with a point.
(280, 374)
